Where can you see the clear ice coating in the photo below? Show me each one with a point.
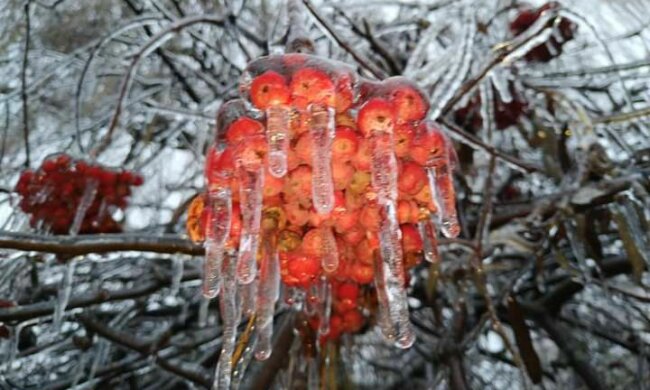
(330, 255)
(219, 205)
(250, 194)
(322, 130)
(268, 293)
(230, 319)
(277, 136)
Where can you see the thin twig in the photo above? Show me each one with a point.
(152, 44)
(99, 243)
(361, 59)
(23, 83)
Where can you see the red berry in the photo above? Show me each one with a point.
(376, 115)
(313, 85)
(269, 89)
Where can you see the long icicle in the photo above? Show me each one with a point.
(65, 289)
(267, 295)
(277, 136)
(322, 131)
(251, 186)
(230, 319)
(394, 278)
(220, 216)
(384, 182)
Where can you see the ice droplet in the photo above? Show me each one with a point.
(230, 319)
(219, 218)
(251, 186)
(267, 295)
(277, 136)
(322, 130)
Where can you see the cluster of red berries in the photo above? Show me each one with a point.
(53, 193)
(553, 47)
(294, 84)
(507, 113)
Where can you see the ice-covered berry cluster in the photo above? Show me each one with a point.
(68, 196)
(332, 184)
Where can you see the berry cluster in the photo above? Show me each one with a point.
(506, 113)
(553, 47)
(66, 194)
(337, 160)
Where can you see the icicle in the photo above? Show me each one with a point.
(63, 297)
(239, 370)
(87, 199)
(267, 295)
(383, 315)
(248, 294)
(229, 316)
(322, 131)
(383, 167)
(277, 136)
(313, 373)
(330, 257)
(177, 275)
(251, 187)
(447, 201)
(220, 204)
(500, 83)
(203, 312)
(325, 306)
(394, 279)
(435, 196)
(429, 239)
